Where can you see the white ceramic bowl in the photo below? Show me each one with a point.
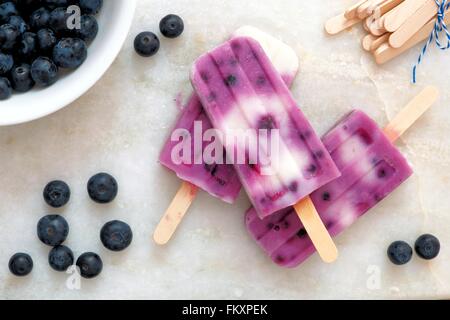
(114, 20)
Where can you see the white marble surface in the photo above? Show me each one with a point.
(120, 125)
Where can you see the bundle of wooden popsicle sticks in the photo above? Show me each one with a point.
(393, 26)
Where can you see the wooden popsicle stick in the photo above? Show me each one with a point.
(375, 5)
(367, 41)
(316, 230)
(363, 10)
(376, 26)
(413, 24)
(339, 23)
(398, 16)
(386, 53)
(388, 6)
(411, 113)
(175, 213)
(379, 41)
(350, 13)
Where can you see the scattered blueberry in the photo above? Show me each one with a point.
(70, 53)
(400, 253)
(5, 88)
(60, 258)
(21, 80)
(102, 188)
(52, 230)
(146, 44)
(44, 71)
(116, 235)
(91, 6)
(20, 264)
(56, 194)
(171, 26)
(427, 247)
(90, 265)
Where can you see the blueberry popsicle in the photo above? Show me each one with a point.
(241, 91)
(219, 180)
(372, 167)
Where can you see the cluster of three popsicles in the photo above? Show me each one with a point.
(239, 87)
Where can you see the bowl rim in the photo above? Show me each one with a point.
(90, 78)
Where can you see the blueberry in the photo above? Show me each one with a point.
(88, 28)
(27, 46)
(90, 265)
(20, 264)
(5, 88)
(46, 40)
(19, 23)
(39, 19)
(44, 71)
(10, 34)
(21, 80)
(146, 44)
(56, 194)
(427, 247)
(52, 4)
(7, 9)
(58, 21)
(52, 230)
(400, 253)
(6, 63)
(171, 26)
(70, 53)
(91, 6)
(102, 188)
(60, 258)
(116, 235)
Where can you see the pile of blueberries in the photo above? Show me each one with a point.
(53, 230)
(38, 37)
(426, 246)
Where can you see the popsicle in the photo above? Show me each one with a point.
(219, 180)
(372, 167)
(241, 91)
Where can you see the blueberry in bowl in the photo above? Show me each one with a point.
(29, 33)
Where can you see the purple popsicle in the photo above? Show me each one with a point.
(221, 180)
(372, 167)
(240, 90)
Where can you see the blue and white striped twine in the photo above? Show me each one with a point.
(439, 26)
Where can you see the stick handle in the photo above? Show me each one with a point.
(339, 23)
(175, 213)
(411, 113)
(316, 230)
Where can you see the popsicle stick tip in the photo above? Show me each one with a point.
(160, 239)
(316, 230)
